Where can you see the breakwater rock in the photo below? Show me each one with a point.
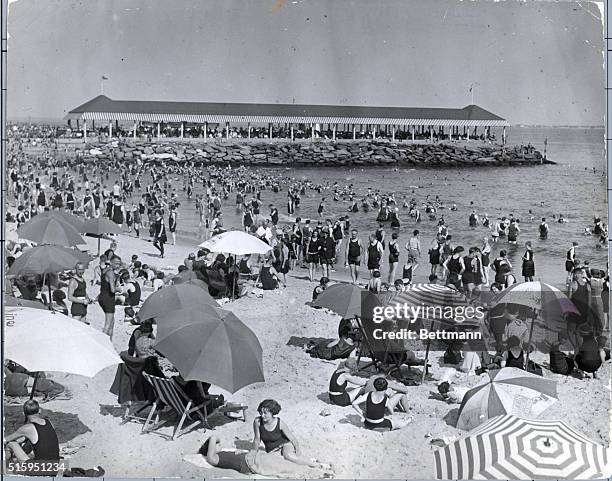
(320, 153)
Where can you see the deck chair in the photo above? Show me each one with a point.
(168, 393)
(131, 387)
(387, 356)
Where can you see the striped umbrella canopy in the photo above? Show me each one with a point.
(506, 391)
(508, 447)
(550, 308)
(50, 230)
(437, 303)
(549, 301)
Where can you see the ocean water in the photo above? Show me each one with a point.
(574, 187)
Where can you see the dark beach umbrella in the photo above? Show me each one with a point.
(348, 300)
(214, 347)
(50, 230)
(99, 226)
(73, 220)
(174, 298)
(12, 301)
(47, 259)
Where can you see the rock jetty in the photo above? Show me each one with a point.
(364, 153)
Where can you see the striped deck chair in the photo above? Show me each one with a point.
(168, 393)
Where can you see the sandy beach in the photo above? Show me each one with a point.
(299, 383)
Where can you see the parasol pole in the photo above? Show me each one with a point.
(534, 315)
(431, 326)
(98, 246)
(34, 385)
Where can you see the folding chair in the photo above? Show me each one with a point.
(168, 393)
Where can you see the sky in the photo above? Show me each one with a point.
(532, 63)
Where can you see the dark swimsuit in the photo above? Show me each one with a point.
(78, 309)
(376, 411)
(337, 392)
(106, 299)
(274, 439)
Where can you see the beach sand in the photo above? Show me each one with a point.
(299, 383)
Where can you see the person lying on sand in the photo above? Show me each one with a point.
(256, 462)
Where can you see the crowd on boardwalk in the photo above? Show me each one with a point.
(146, 200)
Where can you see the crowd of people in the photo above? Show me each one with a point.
(147, 199)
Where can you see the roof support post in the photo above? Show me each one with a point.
(374, 132)
(158, 130)
(270, 130)
(291, 127)
(249, 131)
(135, 128)
(110, 129)
(412, 128)
(468, 134)
(334, 132)
(85, 130)
(311, 131)
(226, 130)
(354, 133)
(450, 133)
(205, 131)
(431, 128)
(182, 129)
(393, 134)
(504, 136)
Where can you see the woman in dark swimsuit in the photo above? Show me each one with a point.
(276, 436)
(376, 404)
(514, 356)
(106, 299)
(338, 392)
(393, 257)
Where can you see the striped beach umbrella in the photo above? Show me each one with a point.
(438, 303)
(506, 391)
(550, 302)
(508, 447)
(549, 306)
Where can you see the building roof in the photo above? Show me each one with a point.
(104, 108)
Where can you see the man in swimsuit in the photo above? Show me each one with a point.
(37, 436)
(354, 255)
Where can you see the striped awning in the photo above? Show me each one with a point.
(257, 119)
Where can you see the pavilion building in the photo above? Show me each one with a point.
(309, 118)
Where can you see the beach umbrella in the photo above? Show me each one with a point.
(508, 447)
(237, 243)
(213, 346)
(50, 230)
(63, 216)
(99, 226)
(506, 391)
(548, 306)
(12, 301)
(190, 282)
(49, 341)
(437, 304)
(348, 300)
(173, 298)
(47, 259)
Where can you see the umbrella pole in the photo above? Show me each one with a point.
(34, 385)
(427, 354)
(533, 318)
(98, 247)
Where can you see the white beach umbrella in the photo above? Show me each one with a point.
(42, 340)
(236, 242)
